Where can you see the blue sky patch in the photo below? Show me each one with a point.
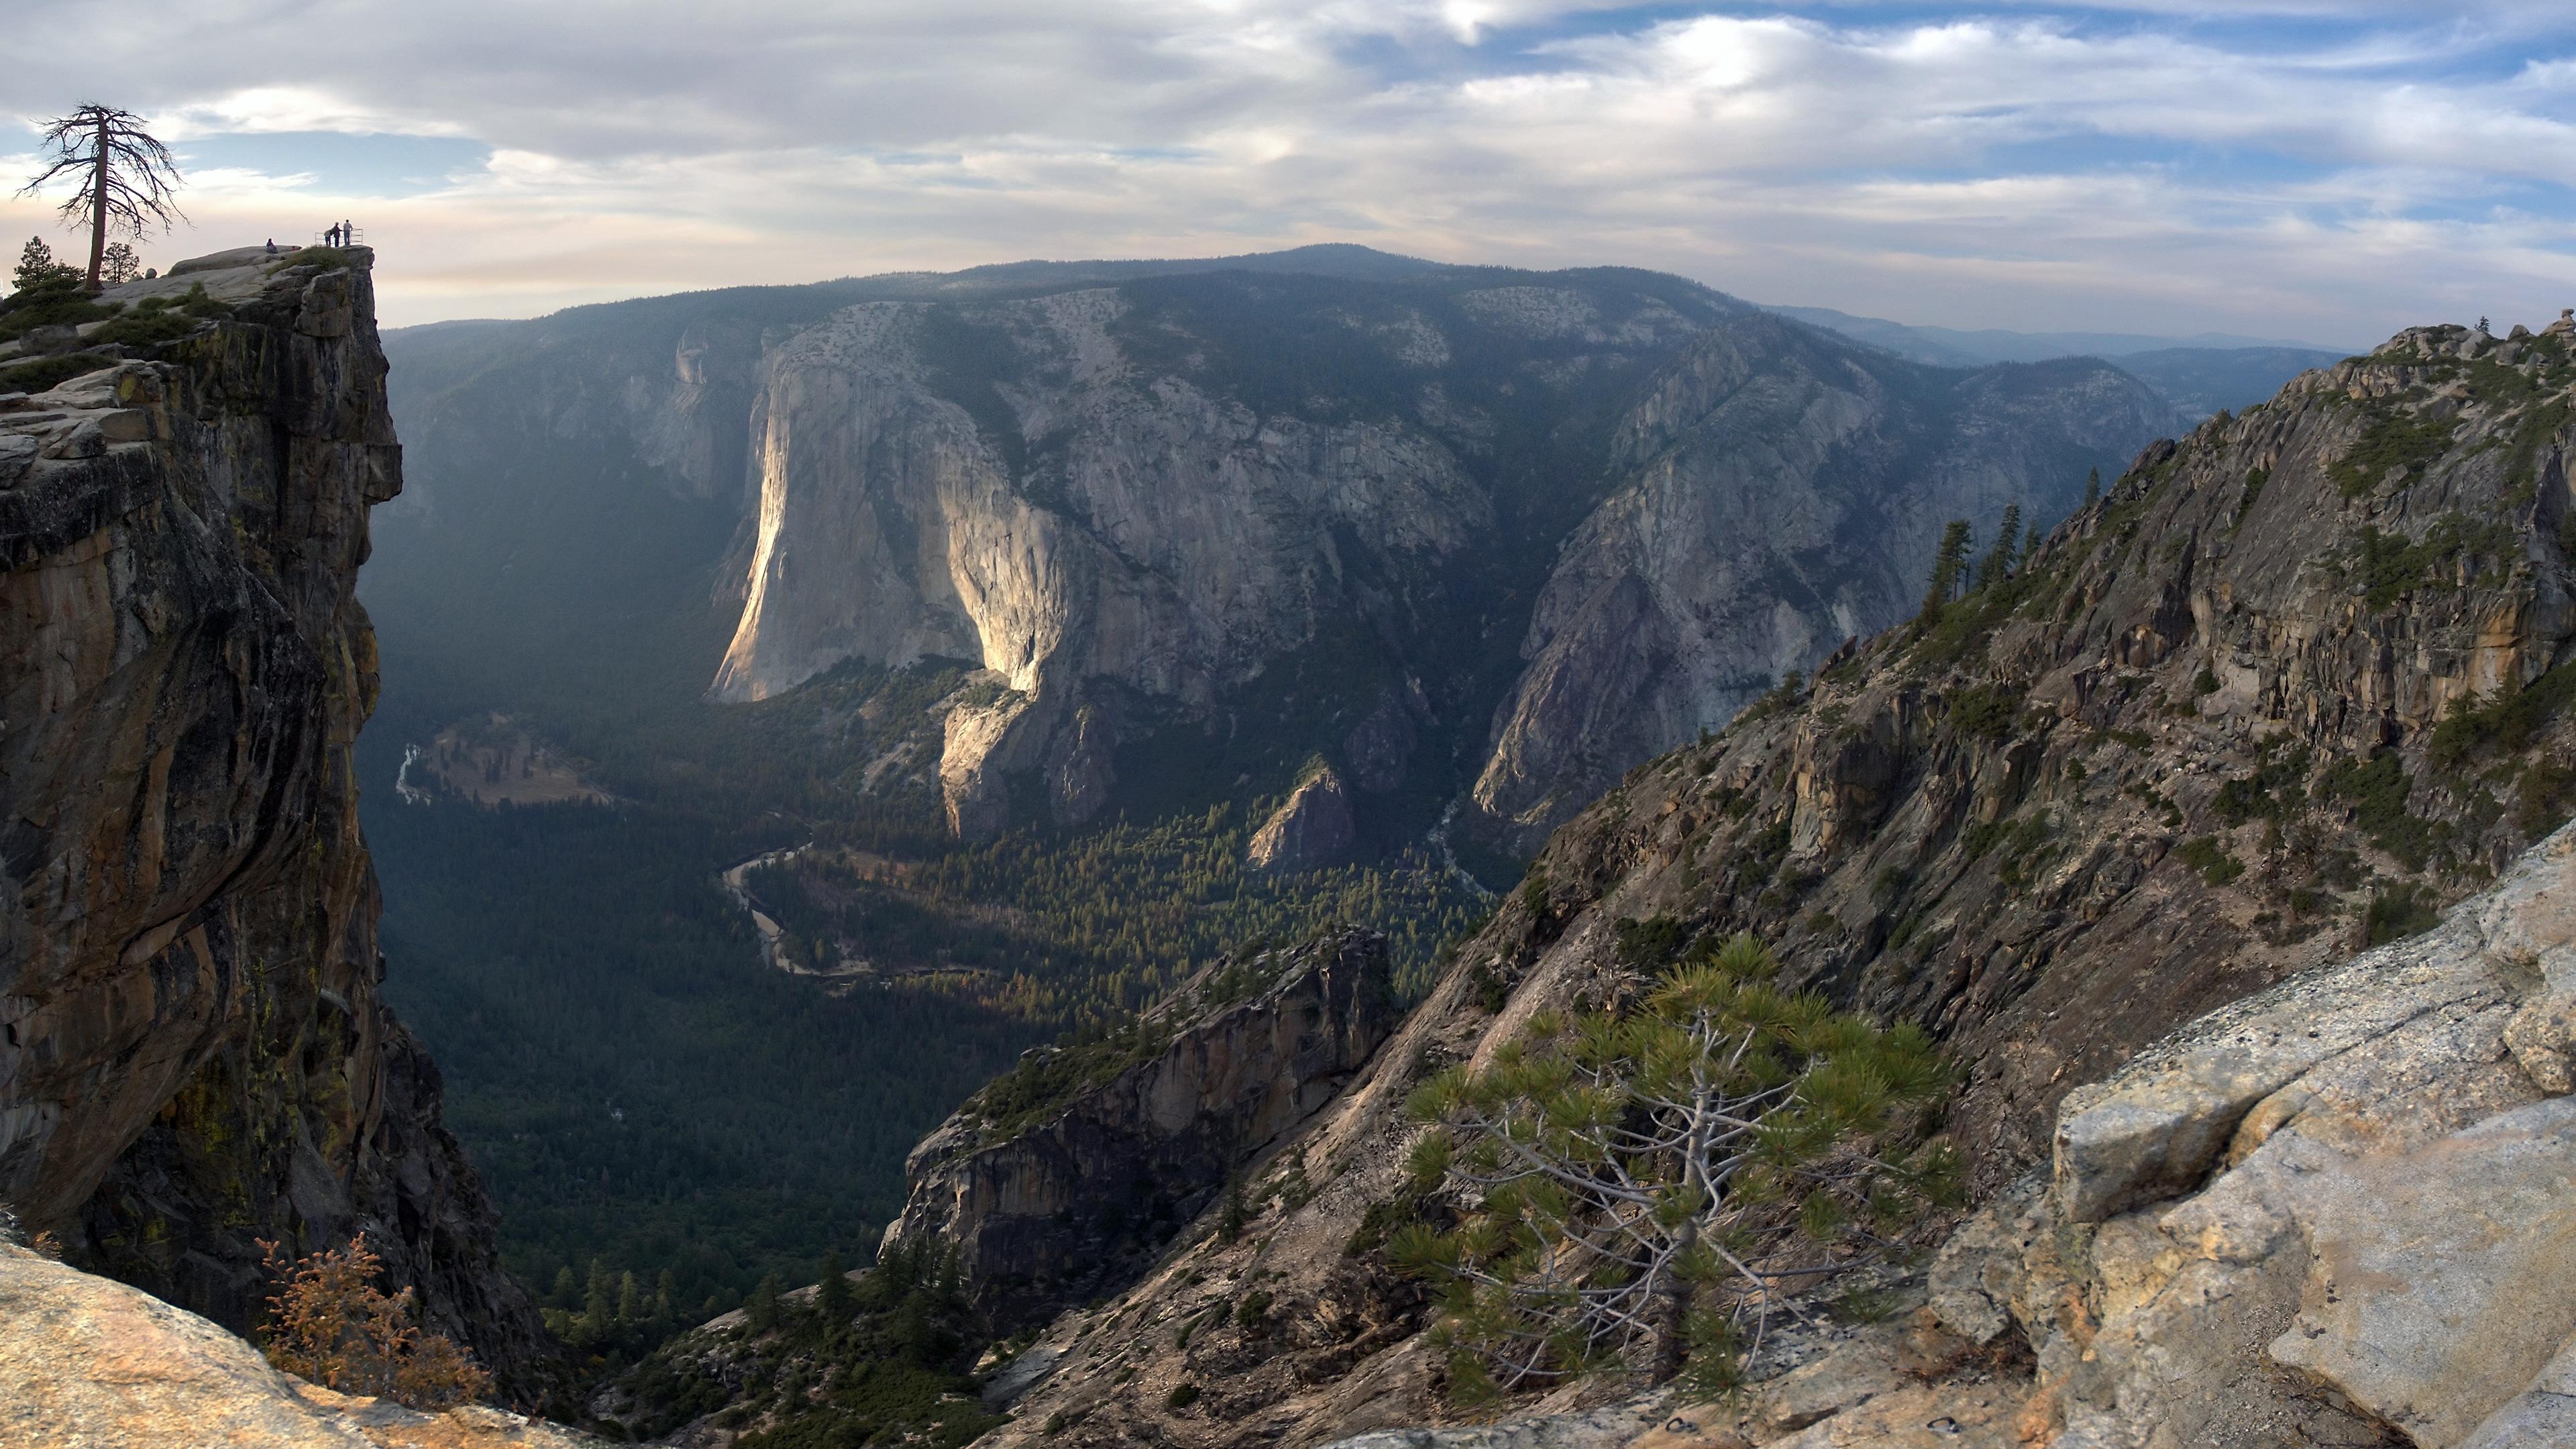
(338, 164)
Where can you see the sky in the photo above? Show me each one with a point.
(2329, 170)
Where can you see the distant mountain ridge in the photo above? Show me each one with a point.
(2207, 373)
(1958, 347)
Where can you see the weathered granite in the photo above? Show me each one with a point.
(1055, 1181)
(2378, 1246)
(193, 1051)
(90, 1363)
(1311, 829)
(1780, 491)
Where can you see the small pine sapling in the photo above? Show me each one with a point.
(1647, 1191)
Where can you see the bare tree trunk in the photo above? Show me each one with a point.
(98, 209)
(1672, 1316)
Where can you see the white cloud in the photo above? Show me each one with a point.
(2139, 164)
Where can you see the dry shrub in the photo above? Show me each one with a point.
(43, 1244)
(329, 1324)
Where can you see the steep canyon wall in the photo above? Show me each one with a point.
(193, 1053)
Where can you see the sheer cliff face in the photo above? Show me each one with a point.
(2292, 684)
(1784, 492)
(1470, 535)
(192, 1052)
(1152, 538)
(1190, 539)
(1106, 495)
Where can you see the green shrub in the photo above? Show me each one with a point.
(1649, 943)
(2509, 722)
(2398, 912)
(24, 311)
(2377, 789)
(47, 373)
(2254, 481)
(143, 331)
(2211, 859)
(1985, 711)
(1740, 1116)
(2388, 567)
(2392, 440)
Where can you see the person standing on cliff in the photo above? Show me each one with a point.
(331, 235)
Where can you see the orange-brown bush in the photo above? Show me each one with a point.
(329, 1324)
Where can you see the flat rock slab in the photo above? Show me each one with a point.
(2442, 1280)
(89, 1363)
(2542, 1417)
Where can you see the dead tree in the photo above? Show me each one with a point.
(127, 179)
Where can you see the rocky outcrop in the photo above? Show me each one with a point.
(2334, 1213)
(2211, 738)
(1312, 828)
(93, 1364)
(1056, 1180)
(1784, 492)
(195, 1053)
(1079, 515)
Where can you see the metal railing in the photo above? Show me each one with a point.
(357, 237)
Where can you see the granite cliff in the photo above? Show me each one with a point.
(2293, 684)
(1220, 519)
(193, 1052)
(1782, 493)
(1059, 1180)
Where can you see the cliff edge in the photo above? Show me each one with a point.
(193, 1052)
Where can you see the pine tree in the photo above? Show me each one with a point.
(762, 1311)
(125, 177)
(1947, 566)
(37, 270)
(567, 1294)
(630, 1301)
(599, 1305)
(1656, 1181)
(1996, 566)
(2092, 487)
(2029, 549)
(833, 1297)
(118, 265)
(1229, 1222)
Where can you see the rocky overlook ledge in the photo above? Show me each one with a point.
(193, 1052)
